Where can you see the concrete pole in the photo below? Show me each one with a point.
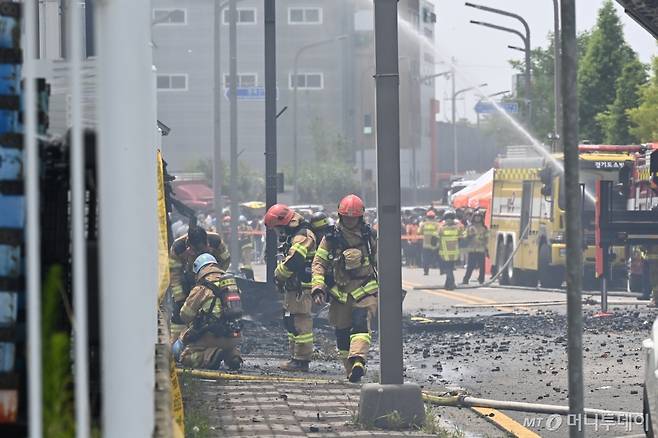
(573, 217)
(454, 121)
(295, 152)
(233, 85)
(270, 131)
(79, 243)
(379, 401)
(388, 190)
(557, 129)
(217, 104)
(128, 221)
(32, 228)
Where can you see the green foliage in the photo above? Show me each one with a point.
(645, 117)
(599, 69)
(331, 176)
(615, 122)
(251, 184)
(58, 409)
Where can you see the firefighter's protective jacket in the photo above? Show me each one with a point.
(202, 298)
(449, 235)
(351, 255)
(429, 229)
(477, 236)
(298, 256)
(182, 258)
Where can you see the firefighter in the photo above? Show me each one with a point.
(293, 278)
(321, 224)
(429, 230)
(450, 232)
(349, 253)
(212, 312)
(183, 252)
(477, 237)
(652, 265)
(246, 247)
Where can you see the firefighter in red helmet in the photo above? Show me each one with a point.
(349, 252)
(293, 278)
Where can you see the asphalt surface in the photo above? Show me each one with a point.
(498, 343)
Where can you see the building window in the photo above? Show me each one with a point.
(245, 16)
(170, 16)
(428, 33)
(304, 15)
(172, 82)
(307, 81)
(244, 80)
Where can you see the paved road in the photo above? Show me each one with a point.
(522, 357)
(510, 344)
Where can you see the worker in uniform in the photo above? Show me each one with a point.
(321, 224)
(293, 278)
(450, 232)
(429, 229)
(652, 268)
(212, 311)
(349, 254)
(246, 247)
(477, 237)
(183, 252)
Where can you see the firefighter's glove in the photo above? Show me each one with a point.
(318, 296)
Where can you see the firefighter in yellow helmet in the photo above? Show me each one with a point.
(183, 252)
(212, 311)
(429, 229)
(293, 277)
(450, 232)
(349, 253)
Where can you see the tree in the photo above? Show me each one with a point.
(331, 176)
(599, 69)
(644, 118)
(543, 79)
(615, 122)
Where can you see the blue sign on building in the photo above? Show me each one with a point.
(249, 93)
(488, 107)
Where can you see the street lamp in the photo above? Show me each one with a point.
(454, 121)
(295, 158)
(525, 38)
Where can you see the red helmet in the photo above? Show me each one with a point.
(279, 215)
(430, 213)
(352, 206)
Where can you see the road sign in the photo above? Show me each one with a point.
(250, 93)
(488, 107)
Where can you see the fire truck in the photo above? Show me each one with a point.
(527, 215)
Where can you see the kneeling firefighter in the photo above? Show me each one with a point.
(212, 311)
(293, 279)
(349, 253)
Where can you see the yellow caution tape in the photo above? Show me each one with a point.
(163, 251)
(178, 416)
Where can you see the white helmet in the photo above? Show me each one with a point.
(203, 260)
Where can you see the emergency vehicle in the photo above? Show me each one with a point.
(527, 209)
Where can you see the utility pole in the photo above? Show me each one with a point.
(557, 123)
(379, 401)
(573, 218)
(233, 95)
(454, 116)
(217, 104)
(270, 131)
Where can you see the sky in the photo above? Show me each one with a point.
(482, 54)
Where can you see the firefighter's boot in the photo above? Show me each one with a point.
(295, 365)
(358, 370)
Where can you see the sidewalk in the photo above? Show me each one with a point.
(268, 407)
